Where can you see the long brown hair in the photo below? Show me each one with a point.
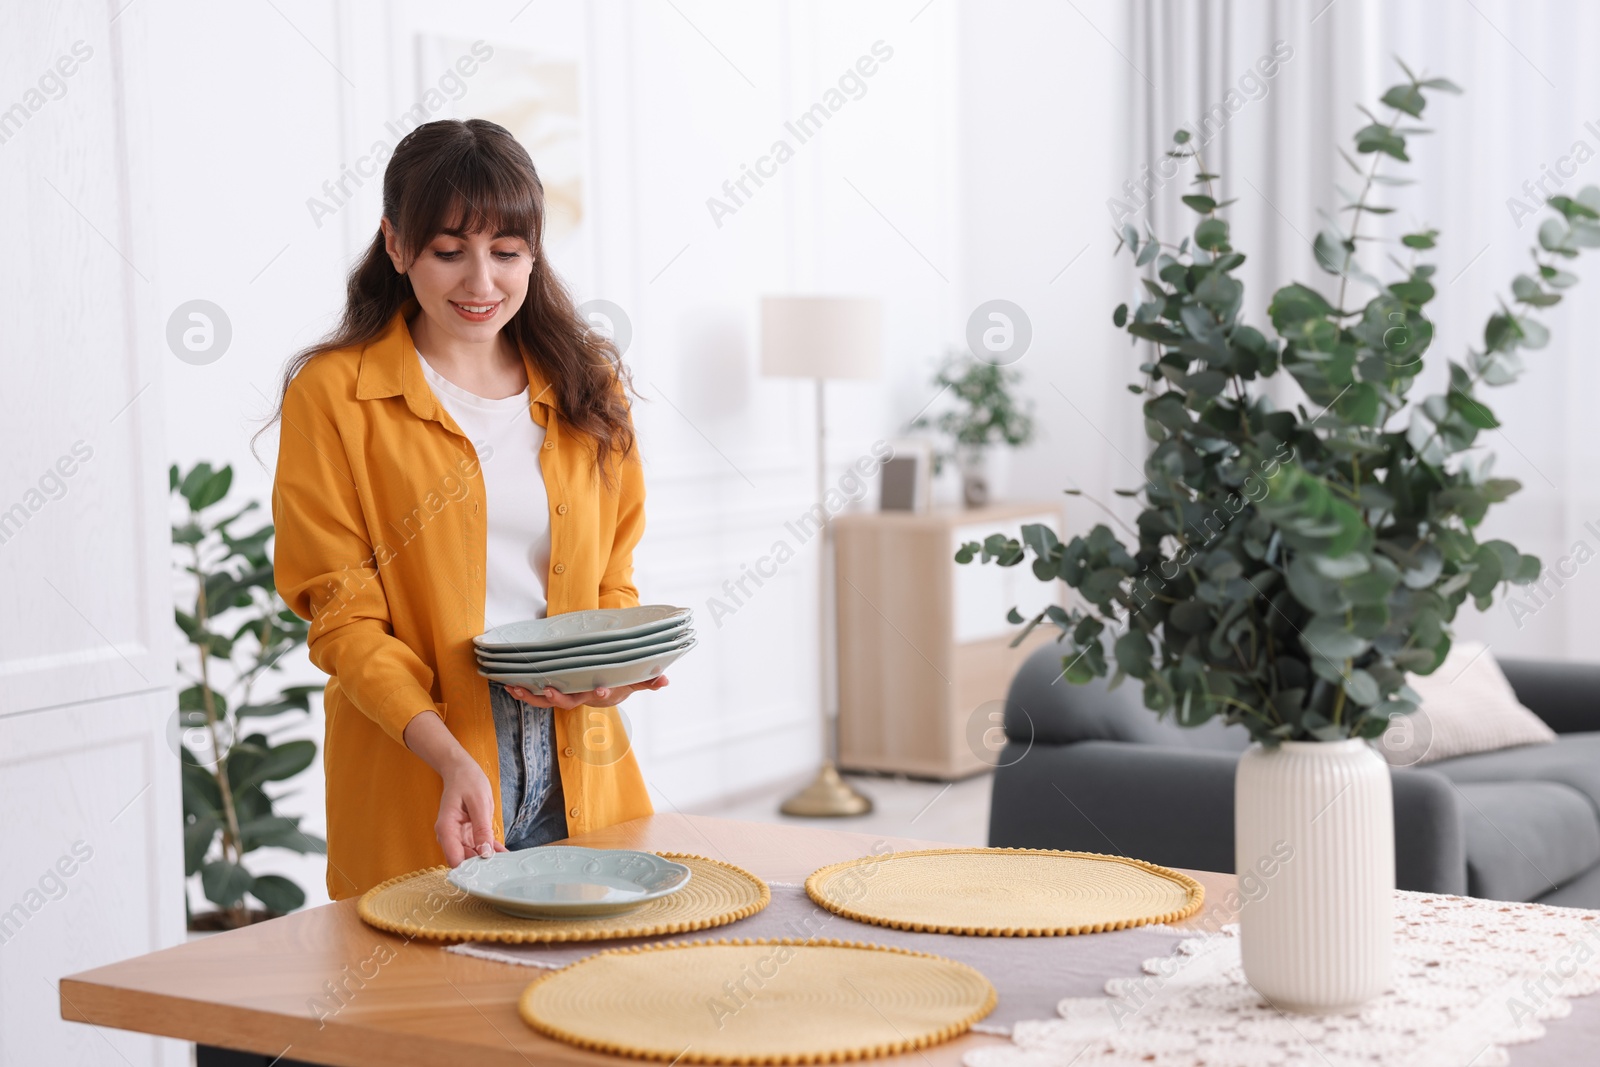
(472, 175)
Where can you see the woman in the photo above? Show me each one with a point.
(457, 455)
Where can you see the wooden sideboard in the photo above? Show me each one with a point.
(923, 662)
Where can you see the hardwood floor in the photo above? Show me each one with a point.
(957, 812)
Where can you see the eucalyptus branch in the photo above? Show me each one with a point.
(1342, 567)
(1360, 209)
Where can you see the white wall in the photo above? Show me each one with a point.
(90, 843)
(1044, 120)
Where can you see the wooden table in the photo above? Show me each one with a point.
(250, 989)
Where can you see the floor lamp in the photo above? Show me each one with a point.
(822, 337)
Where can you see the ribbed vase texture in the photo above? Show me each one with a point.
(1314, 852)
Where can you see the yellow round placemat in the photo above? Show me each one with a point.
(423, 904)
(1004, 892)
(757, 1001)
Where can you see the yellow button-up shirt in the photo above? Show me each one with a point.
(381, 534)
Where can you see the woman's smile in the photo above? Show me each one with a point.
(476, 312)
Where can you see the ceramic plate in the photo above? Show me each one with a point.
(568, 882)
(677, 631)
(580, 627)
(583, 679)
(531, 661)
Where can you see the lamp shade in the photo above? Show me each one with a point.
(821, 337)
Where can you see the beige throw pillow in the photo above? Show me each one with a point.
(1467, 706)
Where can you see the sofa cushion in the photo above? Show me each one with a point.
(1526, 839)
(1562, 694)
(1572, 760)
(1467, 706)
(1044, 708)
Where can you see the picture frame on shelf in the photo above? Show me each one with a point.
(907, 478)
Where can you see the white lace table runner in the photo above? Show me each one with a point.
(1471, 977)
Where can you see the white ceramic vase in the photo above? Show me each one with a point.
(983, 473)
(1314, 852)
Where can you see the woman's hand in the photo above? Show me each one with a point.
(604, 697)
(465, 826)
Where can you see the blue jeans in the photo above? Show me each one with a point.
(531, 802)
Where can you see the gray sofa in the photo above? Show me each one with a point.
(1093, 770)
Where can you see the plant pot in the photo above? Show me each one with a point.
(1314, 851)
(983, 473)
(216, 922)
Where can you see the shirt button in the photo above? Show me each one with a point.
(549, 444)
(568, 751)
(560, 568)
(573, 813)
(561, 509)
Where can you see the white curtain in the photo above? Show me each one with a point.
(1530, 112)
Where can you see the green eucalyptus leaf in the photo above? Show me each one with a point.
(1584, 233)
(1379, 138)
(1473, 411)
(1486, 573)
(1557, 278)
(1294, 304)
(1415, 293)
(1362, 688)
(1554, 236)
(1534, 334)
(1212, 235)
(1133, 653)
(1528, 291)
(1407, 98)
(1330, 637)
(1333, 251)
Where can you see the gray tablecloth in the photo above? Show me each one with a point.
(1031, 974)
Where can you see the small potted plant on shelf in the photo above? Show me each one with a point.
(984, 422)
(1290, 568)
(237, 631)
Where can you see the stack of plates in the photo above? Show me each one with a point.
(585, 650)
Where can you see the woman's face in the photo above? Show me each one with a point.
(469, 285)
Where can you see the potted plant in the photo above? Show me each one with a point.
(986, 419)
(227, 812)
(1290, 568)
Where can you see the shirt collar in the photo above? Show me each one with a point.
(390, 367)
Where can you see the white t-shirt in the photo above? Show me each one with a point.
(507, 441)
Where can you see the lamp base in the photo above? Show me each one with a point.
(828, 796)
